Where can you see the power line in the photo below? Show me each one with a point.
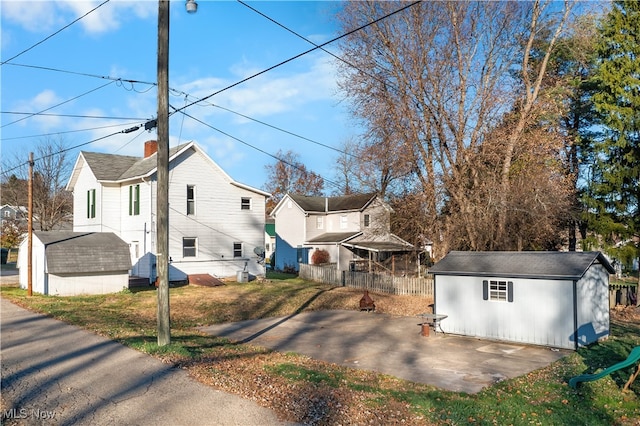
(65, 132)
(337, 185)
(60, 30)
(84, 74)
(57, 105)
(102, 117)
(368, 74)
(129, 130)
(316, 47)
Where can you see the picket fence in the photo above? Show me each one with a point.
(382, 283)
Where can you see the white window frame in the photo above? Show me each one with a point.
(237, 250)
(189, 247)
(319, 222)
(191, 202)
(246, 203)
(344, 221)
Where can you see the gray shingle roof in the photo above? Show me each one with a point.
(332, 204)
(112, 167)
(522, 264)
(70, 252)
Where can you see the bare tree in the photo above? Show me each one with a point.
(289, 175)
(52, 204)
(438, 78)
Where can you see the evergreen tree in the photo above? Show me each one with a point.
(614, 200)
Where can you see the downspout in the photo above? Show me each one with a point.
(575, 315)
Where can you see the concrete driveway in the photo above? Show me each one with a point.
(392, 345)
(57, 374)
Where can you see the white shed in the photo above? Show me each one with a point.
(66, 263)
(556, 299)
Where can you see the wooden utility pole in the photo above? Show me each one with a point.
(162, 250)
(30, 228)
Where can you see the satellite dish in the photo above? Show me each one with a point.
(259, 251)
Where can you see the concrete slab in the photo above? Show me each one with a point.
(392, 345)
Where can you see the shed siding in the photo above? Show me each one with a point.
(541, 311)
(593, 305)
(74, 285)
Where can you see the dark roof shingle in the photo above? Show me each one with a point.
(523, 264)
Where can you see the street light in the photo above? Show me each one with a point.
(162, 249)
(192, 6)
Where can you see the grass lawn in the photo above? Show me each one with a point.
(313, 392)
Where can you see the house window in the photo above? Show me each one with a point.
(319, 222)
(189, 247)
(91, 203)
(237, 249)
(343, 221)
(191, 199)
(367, 220)
(245, 203)
(134, 200)
(500, 291)
(7, 213)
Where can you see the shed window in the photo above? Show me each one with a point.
(501, 291)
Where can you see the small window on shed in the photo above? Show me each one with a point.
(501, 291)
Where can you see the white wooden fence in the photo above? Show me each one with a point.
(382, 283)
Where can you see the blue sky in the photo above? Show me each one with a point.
(222, 44)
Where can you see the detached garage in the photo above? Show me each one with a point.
(68, 263)
(557, 299)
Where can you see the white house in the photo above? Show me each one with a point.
(66, 263)
(215, 223)
(350, 228)
(556, 299)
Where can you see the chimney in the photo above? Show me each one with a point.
(150, 148)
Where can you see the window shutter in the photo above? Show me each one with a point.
(136, 207)
(485, 290)
(89, 203)
(510, 291)
(130, 200)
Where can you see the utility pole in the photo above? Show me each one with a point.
(162, 249)
(30, 228)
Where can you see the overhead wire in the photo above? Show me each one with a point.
(65, 132)
(101, 117)
(55, 33)
(337, 185)
(57, 105)
(316, 47)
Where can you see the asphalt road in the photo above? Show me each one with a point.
(57, 374)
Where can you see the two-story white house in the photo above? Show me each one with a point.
(215, 223)
(350, 228)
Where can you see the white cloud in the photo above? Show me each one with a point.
(47, 16)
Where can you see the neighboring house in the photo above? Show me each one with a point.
(66, 263)
(13, 213)
(350, 228)
(215, 223)
(269, 238)
(556, 299)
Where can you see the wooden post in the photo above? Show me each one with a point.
(30, 228)
(162, 250)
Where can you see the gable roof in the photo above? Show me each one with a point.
(570, 265)
(120, 168)
(334, 237)
(70, 252)
(332, 204)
